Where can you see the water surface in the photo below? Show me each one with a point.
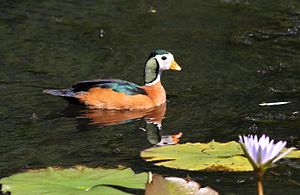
(234, 54)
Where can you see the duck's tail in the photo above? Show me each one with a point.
(67, 94)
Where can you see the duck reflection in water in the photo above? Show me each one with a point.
(153, 121)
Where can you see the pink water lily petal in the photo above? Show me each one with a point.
(268, 151)
(259, 156)
(253, 147)
(250, 148)
(262, 141)
(277, 148)
(264, 154)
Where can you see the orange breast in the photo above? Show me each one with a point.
(156, 93)
(108, 99)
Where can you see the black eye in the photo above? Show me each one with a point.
(164, 58)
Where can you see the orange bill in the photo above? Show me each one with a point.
(175, 66)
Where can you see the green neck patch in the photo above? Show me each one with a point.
(151, 70)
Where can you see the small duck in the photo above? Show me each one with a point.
(115, 94)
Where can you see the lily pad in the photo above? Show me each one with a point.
(212, 156)
(77, 180)
(293, 154)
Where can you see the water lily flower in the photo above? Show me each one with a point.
(262, 153)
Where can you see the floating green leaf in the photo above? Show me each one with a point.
(212, 156)
(292, 154)
(77, 180)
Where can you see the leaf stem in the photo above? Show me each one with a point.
(260, 188)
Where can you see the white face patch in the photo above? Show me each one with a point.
(164, 61)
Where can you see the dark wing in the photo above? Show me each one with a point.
(116, 85)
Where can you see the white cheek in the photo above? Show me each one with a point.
(162, 63)
(166, 64)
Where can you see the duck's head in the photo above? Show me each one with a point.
(158, 61)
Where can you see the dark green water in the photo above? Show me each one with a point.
(235, 54)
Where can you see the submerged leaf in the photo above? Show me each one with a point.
(212, 156)
(175, 186)
(78, 180)
(157, 186)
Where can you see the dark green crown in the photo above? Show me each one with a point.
(157, 52)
